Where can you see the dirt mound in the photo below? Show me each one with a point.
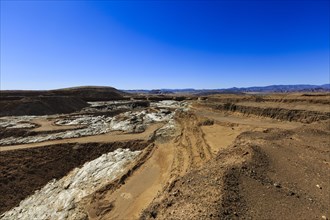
(41, 106)
(24, 171)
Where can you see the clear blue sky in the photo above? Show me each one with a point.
(163, 44)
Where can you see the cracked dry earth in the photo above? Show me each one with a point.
(190, 161)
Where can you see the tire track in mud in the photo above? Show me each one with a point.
(191, 142)
(190, 152)
(167, 163)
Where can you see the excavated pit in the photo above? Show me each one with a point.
(230, 157)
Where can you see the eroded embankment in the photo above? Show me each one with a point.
(272, 174)
(199, 193)
(274, 113)
(286, 177)
(24, 171)
(302, 98)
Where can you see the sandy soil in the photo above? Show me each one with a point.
(219, 137)
(219, 165)
(46, 124)
(139, 191)
(167, 162)
(264, 169)
(251, 121)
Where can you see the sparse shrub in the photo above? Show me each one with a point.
(259, 99)
(206, 122)
(229, 106)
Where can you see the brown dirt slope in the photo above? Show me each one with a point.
(305, 98)
(24, 171)
(270, 174)
(304, 108)
(276, 113)
(41, 106)
(87, 93)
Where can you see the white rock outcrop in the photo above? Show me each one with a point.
(169, 104)
(59, 198)
(95, 125)
(17, 122)
(129, 122)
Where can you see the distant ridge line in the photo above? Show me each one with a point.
(261, 89)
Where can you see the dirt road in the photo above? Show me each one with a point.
(103, 138)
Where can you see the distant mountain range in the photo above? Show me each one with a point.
(258, 89)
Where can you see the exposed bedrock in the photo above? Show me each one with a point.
(24, 171)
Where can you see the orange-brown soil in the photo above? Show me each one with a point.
(230, 157)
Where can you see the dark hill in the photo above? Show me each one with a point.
(41, 105)
(86, 93)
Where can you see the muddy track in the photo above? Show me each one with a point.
(191, 143)
(190, 148)
(191, 152)
(97, 205)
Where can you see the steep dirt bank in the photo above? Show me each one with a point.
(274, 113)
(272, 174)
(286, 177)
(24, 171)
(196, 195)
(302, 98)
